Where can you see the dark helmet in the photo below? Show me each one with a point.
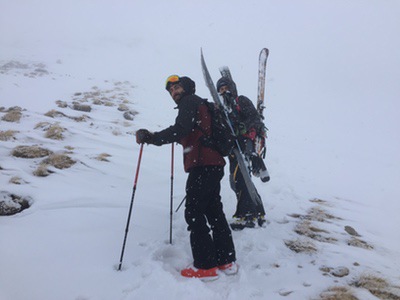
(223, 81)
(226, 81)
(187, 84)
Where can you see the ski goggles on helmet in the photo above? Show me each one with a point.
(171, 80)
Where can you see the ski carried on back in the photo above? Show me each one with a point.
(243, 164)
(259, 142)
(262, 69)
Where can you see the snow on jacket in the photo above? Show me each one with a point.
(192, 114)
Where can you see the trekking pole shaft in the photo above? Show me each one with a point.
(130, 207)
(172, 194)
(179, 206)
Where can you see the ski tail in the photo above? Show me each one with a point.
(225, 72)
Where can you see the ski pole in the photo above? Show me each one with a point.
(179, 206)
(172, 193)
(130, 208)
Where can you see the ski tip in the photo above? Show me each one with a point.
(264, 52)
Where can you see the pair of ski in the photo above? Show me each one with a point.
(243, 161)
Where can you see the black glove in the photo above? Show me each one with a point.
(143, 136)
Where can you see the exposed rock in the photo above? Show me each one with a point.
(129, 115)
(350, 230)
(81, 107)
(11, 204)
(123, 107)
(340, 272)
(325, 269)
(13, 65)
(285, 293)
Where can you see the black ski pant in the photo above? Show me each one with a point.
(204, 210)
(245, 206)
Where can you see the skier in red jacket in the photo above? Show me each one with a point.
(205, 166)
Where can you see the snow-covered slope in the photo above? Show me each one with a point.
(333, 148)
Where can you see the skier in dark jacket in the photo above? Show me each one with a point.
(247, 124)
(206, 169)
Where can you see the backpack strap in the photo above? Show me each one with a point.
(237, 104)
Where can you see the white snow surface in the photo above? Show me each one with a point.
(332, 109)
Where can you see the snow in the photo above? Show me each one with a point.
(332, 98)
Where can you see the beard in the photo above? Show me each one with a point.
(178, 96)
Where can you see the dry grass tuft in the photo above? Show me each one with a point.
(356, 242)
(371, 282)
(43, 125)
(61, 104)
(69, 148)
(42, 171)
(82, 118)
(337, 293)
(55, 132)
(12, 116)
(307, 229)
(301, 246)
(30, 152)
(7, 135)
(16, 180)
(59, 161)
(319, 201)
(377, 286)
(54, 114)
(319, 214)
(103, 157)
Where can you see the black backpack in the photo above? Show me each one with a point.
(221, 139)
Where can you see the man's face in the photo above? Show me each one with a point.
(223, 89)
(176, 91)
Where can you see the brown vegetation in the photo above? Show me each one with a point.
(7, 135)
(30, 152)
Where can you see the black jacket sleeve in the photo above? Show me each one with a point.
(249, 114)
(184, 122)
